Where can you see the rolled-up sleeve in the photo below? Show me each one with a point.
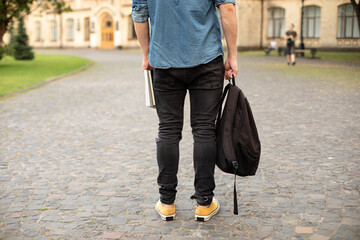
(140, 11)
(219, 2)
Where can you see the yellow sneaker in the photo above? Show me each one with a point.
(205, 213)
(166, 213)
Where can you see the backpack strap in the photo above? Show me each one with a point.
(235, 197)
(233, 80)
(233, 163)
(226, 90)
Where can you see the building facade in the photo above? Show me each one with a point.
(326, 23)
(107, 24)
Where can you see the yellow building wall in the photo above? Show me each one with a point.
(249, 23)
(249, 17)
(119, 10)
(292, 15)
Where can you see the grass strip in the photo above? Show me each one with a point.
(18, 75)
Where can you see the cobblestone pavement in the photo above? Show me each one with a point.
(77, 157)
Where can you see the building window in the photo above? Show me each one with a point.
(38, 31)
(347, 22)
(276, 22)
(311, 24)
(78, 25)
(87, 29)
(70, 29)
(53, 31)
(131, 27)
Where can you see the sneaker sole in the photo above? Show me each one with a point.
(166, 217)
(202, 218)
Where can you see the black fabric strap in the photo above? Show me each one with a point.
(226, 89)
(235, 197)
(233, 79)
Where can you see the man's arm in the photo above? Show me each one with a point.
(142, 33)
(229, 24)
(140, 16)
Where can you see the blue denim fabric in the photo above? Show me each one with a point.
(184, 33)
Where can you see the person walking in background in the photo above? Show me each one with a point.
(290, 38)
(186, 53)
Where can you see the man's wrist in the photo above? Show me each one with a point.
(232, 55)
(145, 54)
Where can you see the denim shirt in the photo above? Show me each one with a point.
(184, 33)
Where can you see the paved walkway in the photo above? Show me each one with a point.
(77, 157)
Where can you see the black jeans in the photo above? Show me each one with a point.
(205, 84)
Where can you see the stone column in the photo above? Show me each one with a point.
(117, 33)
(93, 40)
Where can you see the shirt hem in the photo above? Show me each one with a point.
(189, 66)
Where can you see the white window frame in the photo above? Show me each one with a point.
(273, 21)
(53, 31)
(70, 29)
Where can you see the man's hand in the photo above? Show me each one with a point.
(231, 67)
(146, 65)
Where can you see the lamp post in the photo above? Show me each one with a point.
(302, 45)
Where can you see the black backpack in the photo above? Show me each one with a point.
(237, 139)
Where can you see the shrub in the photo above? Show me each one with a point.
(9, 48)
(1, 52)
(22, 50)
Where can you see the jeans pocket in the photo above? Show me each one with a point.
(210, 75)
(162, 79)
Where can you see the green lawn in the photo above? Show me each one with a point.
(325, 56)
(17, 75)
(339, 56)
(338, 74)
(258, 53)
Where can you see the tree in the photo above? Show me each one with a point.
(357, 11)
(12, 35)
(59, 8)
(22, 50)
(1, 52)
(9, 48)
(10, 9)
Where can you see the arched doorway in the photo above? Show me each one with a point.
(107, 32)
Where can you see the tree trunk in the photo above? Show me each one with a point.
(357, 11)
(3, 29)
